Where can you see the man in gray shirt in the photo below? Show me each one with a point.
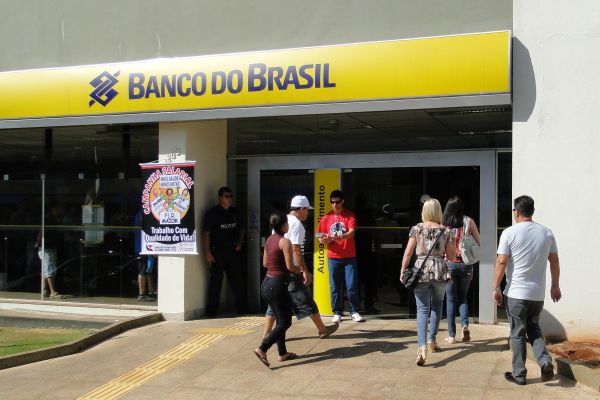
(523, 254)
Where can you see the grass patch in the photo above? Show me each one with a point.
(19, 340)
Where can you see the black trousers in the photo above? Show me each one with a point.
(230, 264)
(275, 293)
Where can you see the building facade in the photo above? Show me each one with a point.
(401, 99)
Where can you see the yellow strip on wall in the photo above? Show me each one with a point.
(326, 180)
(415, 68)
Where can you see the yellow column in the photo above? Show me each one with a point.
(326, 180)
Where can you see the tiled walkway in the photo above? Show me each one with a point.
(372, 360)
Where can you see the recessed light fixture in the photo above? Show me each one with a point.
(485, 132)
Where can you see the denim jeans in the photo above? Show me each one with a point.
(456, 294)
(430, 298)
(275, 293)
(524, 318)
(341, 269)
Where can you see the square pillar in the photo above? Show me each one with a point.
(183, 280)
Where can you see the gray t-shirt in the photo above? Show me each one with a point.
(528, 244)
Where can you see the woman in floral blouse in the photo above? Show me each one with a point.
(429, 291)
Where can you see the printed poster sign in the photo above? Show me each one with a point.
(168, 223)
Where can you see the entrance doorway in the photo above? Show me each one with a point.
(370, 182)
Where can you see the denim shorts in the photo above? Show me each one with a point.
(49, 262)
(302, 300)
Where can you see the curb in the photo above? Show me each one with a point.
(579, 373)
(80, 344)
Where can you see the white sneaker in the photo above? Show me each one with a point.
(337, 318)
(357, 317)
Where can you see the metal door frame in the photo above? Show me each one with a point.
(484, 159)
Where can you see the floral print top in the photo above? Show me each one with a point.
(436, 267)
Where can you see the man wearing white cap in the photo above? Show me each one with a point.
(304, 305)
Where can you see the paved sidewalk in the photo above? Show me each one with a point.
(198, 360)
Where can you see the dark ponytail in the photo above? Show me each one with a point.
(277, 220)
(453, 213)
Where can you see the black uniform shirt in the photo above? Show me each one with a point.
(224, 228)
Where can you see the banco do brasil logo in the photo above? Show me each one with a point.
(103, 84)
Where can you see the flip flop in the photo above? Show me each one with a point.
(287, 356)
(262, 358)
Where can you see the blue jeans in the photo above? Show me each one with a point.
(456, 293)
(341, 269)
(430, 298)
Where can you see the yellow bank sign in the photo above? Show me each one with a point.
(402, 69)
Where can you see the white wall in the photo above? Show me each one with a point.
(182, 280)
(42, 33)
(555, 143)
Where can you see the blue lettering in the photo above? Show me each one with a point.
(318, 75)
(180, 90)
(136, 85)
(152, 87)
(167, 85)
(275, 75)
(291, 77)
(230, 81)
(202, 77)
(219, 81)
(254, 75)
(307, 76)
(327, 83)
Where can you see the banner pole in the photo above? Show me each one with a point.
(43, 233)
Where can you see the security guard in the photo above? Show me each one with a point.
(222, 237)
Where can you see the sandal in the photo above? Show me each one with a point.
(287, 356)
(262, 357)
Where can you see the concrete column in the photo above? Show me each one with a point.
(182, 280)
(555, 146)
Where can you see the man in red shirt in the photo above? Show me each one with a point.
(337, 230)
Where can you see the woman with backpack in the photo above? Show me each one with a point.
(466, 244)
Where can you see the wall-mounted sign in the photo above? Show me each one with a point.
(168, 224)
(471, 64)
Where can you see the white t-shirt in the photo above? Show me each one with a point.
(528, 244)
(295, 233)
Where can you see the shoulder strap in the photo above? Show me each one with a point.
(431, 249)
(466, 225)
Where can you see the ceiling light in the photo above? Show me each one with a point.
(485, 132)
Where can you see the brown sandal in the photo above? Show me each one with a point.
(287, 356)
(262, 357)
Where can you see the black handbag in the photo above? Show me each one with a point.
(413, 277)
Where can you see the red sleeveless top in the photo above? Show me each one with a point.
(275, 258)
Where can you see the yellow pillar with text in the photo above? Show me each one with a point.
(326, 180)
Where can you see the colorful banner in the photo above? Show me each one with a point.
(168, 224)
(470, 64)
(326, 181)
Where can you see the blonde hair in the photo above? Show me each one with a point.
(432, 211)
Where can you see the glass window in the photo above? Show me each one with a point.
(86, 183)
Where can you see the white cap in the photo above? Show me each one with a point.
(424, 198)
(300, 202)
